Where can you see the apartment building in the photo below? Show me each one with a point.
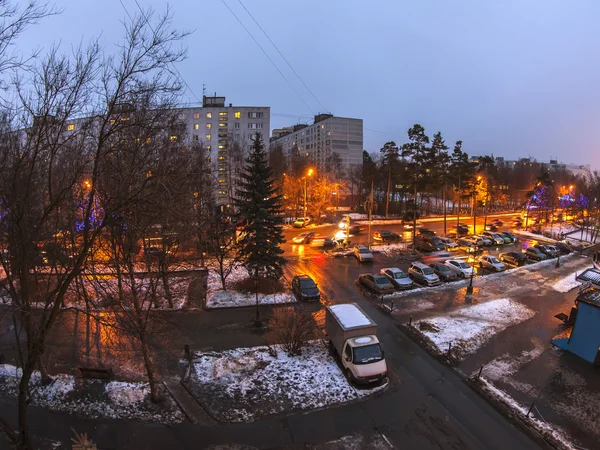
(327, 135)
(226, 131)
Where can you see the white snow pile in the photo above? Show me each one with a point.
(216, 297)
(567, 283)
(245, 384)
(94, 399)
(508, 364)
(350, 316)
(380, 222)
(557, 437)
(537, 237)
(468, 328)
(390, 249)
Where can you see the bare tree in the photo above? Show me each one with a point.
(50, 177)
(292, 328)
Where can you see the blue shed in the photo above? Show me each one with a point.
(584, 338)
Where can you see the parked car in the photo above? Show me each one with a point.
(443, 271)
(397, 277)
(423, 274)
(425, 232)
(437, 243)
(449, 243)
(549, 250)
(467, 246)
(495, 237)
(535, 253)
(513, 258)
(507, 239)
(304, 238)
(475, 240)
(517, 223)
(305, 289)
(497, 222)
(564, 248)
(386, 236)
(490, 227)
(491, 263)
(322, 242)
(424, 245)
(486, 239)
(363, 254)
(462, 268)
(513, 238)
(301, 222)
(376, 282)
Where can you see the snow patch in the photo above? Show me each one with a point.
(508, 364)
(468, 328)
(567, 283)
(350, 316)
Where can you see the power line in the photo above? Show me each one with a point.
(172, 64)
(267, 55)
(281, 54)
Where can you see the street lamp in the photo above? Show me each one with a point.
(308, 174)
(475, 207)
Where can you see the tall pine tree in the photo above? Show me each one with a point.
(258, 206)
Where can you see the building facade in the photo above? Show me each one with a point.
(226, 132)
(327, 135)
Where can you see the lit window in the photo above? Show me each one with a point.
(237, 114)
(222, 158)
(112, 121)
(223, 113)
(70, 127)
(174, 137)
(208, 126)
(221, 125)
(208, 136)
(209, 115)
(208, 148)
(196, 126)
(196, 115)
(148, 140)
(322, 126)
(223, 146)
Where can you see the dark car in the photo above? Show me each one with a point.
(376, 282)
(490, 227)
(355, 229)
(535, 253)
(322, 242)
(305, 289)
(386, 236)
(549, 250)
(513, 258)
(425, 232)
(424, 245)
(458, 231)
(497, 222)
(304, 238)
(438, 243)
(509, 235)
(442, 271)
(564, 248)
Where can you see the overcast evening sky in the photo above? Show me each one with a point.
(514, 78)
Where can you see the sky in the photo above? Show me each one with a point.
(512, 78)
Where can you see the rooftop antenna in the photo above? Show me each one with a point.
(203, 89)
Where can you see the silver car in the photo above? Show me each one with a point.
(423, 274)
(363, 254)
(491, 263)
(398, 278)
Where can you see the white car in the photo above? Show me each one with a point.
(476, 240)
(491, 262)
(462, 268)
(363, 254)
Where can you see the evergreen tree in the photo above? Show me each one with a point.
(390, 158)
(258, 206)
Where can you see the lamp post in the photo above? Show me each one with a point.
(475, 207)
(308, 174)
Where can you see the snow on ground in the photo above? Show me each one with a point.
(381, 222)
(216, 297)
(557, 436)
(587, 236)
(567, 283)
(391, 249)
(246, 384)
(535, 236)
(507, 364)
(468, 328)
(93, 399)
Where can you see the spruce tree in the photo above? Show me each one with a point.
(258, 206)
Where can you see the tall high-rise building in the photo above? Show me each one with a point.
(226, 131)
(327, 135)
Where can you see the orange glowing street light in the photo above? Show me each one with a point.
(308, 174)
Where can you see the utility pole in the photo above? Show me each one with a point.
(370, 212)
(415, 200)
(458, 209)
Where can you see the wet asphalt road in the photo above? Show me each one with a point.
(425, 398)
